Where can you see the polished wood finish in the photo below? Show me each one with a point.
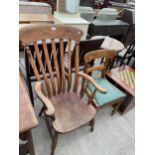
(25, 109)
(29, 18)
(112, 74)
(64, 110)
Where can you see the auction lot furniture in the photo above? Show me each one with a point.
(108, 27)
(36, 18)
(64, 109)
(129, 17)
(27, 119)
(113, 96)
(125, 56)
(34, 7)
(124, 77)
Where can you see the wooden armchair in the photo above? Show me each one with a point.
(64, 109)
(113, 96)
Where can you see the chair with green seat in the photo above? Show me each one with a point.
(114, 96)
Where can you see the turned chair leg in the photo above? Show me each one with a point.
(92, 124)
(54, 142)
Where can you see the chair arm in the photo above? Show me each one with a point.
(92, 81)
(49, 107)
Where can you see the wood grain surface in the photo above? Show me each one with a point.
(27, 117)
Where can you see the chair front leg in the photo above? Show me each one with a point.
(54, 142)
(42, 110)
(92, 124)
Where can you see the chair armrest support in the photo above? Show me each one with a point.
(49, 107)
(92, 81)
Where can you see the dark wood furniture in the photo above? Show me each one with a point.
(113, 96)
(112, 28)
(64, 110)
(87, 3)
(124, 58)
(129, 17)
(116, 75)
(27, 119)
(119, 5)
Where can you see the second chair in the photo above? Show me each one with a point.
(113, 96)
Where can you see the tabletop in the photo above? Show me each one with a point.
(124, 76)
(110, 43)
(27, 18)
(98, 22)
(27, 116)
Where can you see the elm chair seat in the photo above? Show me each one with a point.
(69, 108)
(113, 94)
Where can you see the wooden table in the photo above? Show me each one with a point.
(27, 118)
(36, 18)
(108, 28)
(124, 77)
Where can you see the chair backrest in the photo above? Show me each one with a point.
(86, 46)
(106, 55)
(41, 33)
(29, 69)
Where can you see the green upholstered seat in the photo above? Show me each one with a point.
(113, 93)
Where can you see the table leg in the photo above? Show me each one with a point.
(127, 105)
(28, 147)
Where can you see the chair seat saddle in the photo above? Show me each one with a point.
(113, 93)
(71, 112)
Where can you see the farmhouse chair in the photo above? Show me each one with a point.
(113, 96)
(63, 108)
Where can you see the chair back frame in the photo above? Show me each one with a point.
(32, 35)
(107, 56)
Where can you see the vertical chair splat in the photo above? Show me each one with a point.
(76, 67)
(31, 60)
(62, 65)
(42, 69)
(49, 66)
(69, 65)
(56, 64)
